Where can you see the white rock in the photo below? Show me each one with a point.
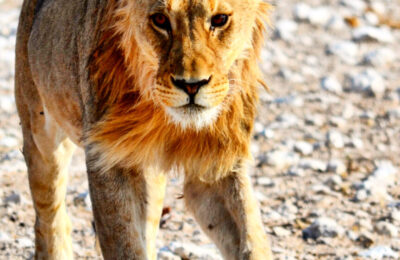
(301, 11)
(334, 182)
(336, 22)
(378, 7)
(361, 195)
(357, 5)
(387, 229)
(379, 252)
(336, 166)
(368, 81)
(379, 57)
(24, 242)
(369, 33)
(8, 142)
(385, 173)
(265, 181)
(4, 237)
(285, 29)
(281, 232)
(316, 119)
(320, 15)
(7, 103)
(331, 84)
(191, 251)
(371, 18)
(335, 139)
(337, 121)
(288, 119)
(347, 51)
(395, 215)
(165, 254)
(295, 171)
(323, 227)
(313, 164)
(304, 148)
(281, 159)
(356, 142)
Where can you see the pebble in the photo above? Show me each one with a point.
(7, 103)
(395, 215)
(303, 148)
(347, 51)
(265, 182)
(281, 159)
(357, 5)
(313, 164)
(335, 139)
(331, 84)
(370, 33)
(337, 166)
(13, 198)
(368, 81)
(323, 227)
(4, 237)
(281, 232)
(320, 15)
(379, 57)
(24, 242)
(192, 251)
(8, 142)
(164, 254)
(379, 252)
(295, 171)
(83, 199)
(285, 29)
(387, 229)
(301, 11)
(334, 182)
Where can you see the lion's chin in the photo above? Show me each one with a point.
(193, 116)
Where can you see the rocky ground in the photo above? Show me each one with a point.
(326, 144)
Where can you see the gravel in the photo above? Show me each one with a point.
(326, 143)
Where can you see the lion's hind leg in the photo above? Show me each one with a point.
(47, 153)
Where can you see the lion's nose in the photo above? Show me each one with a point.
(191, 87)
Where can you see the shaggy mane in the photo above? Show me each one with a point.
(135, 132)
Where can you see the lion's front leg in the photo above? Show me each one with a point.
(228, 212)
(119, 202)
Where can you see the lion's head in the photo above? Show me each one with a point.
(177, 80)
(191, 47)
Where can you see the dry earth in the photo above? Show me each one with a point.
(326, 145)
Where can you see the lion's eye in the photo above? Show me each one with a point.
(161, 21)
(219, 20)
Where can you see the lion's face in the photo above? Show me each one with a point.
(192, 46)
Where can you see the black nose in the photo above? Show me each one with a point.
(191, 88)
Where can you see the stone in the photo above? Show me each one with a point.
(303, 148)
(323, 227)
(4, 237)
(387, 229)
(320, 15)
(395, 215)
(379, 252)
(336, 22)
(331, 84)
(192, 251)
(336, 166)
(356, 5)
(295, 171)
(8, 142)
(281, 232)
(265, 182)
(83, 199)
(379, 57)
(13, 198)
(7, 103)
(301, 11)
(371, 18)
(281, 159)
(284, 29)
(368, 81)
(165, 254)
(334, 182)
(335, 139)
(313, 164)
(370, 33)
(347, 51)
(24, 242)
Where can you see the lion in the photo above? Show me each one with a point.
(146, 88)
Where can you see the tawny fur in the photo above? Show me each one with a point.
(97, 73)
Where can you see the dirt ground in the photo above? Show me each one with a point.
(326, 142)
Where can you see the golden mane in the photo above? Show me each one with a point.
(135, 131)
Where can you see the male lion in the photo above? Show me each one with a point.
(145, 86)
